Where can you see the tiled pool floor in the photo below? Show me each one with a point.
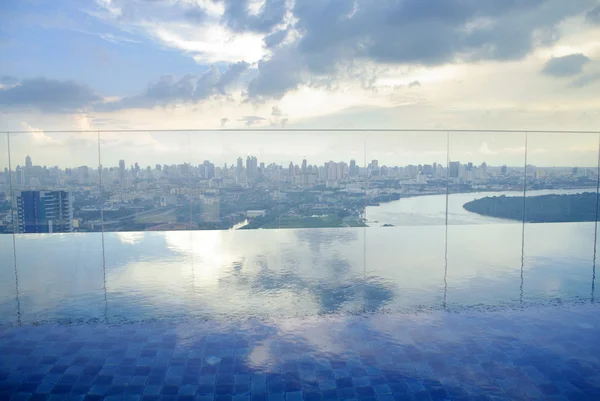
(550, 353)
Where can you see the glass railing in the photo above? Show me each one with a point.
(128, 226)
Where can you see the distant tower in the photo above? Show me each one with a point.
(353, 171)
(239, 168)
(454, 169)
(122, 172)
(28, 163)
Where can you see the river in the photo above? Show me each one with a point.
(431, 209)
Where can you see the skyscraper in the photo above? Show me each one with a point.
(44, 211)
(454, 169)
(28, 163)
(239, 168)
(251, 166)
(374, 167)
(122, 172)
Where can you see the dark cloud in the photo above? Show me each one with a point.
(277, 75)
(593, 16)
(585, 80)
(47, 95)
(336, 33)
(166, 91)
(231, 75)
(8, 80)
(196, 15)
(250, 120)
(276, 112)
(565, 66)
(238, 18)
(187, 89)
(276, 38)
(414, 84)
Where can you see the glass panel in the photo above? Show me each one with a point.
(596, 228)
(406, 215)
(484, 242)
(146, 209)
(296, 190)
(9, 301)
(560, 214)
(59, 262)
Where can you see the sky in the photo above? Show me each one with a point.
(274, 64)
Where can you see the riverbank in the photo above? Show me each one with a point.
(538, 209)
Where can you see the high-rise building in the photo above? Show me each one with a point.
(20, 175)
(353, 171)
(209, 169)
(239, 168)
(44, 211)
(304, 166)
(454, 169)
(251, 167)
(374, 167)
(28, 163)
(122, 172)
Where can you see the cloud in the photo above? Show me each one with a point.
(166, 91)
(251, 120)
(238, 16)
(116, 39)
(207, 30)
(224, 122)
(231, 75)
(188, 89)
(593, 16)
(565, 66)
(279, 118)
(276, 112)
(485, 150)
(8, 80)
(276, 38)
(414, 84)
(38, 137)
(585, 80)
(332, 36)
(47, 95)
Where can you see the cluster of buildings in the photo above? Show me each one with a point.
(51, 199)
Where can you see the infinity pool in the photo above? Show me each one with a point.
(141, 276)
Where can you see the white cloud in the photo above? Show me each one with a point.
(38, 137)
(211, 43)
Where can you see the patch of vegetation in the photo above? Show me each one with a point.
(538, 209)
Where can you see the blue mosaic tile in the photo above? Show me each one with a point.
(490, 361)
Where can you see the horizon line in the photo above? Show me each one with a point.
(310, 130)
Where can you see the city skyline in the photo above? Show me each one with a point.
(406, 147)
(251, 192)
(123, 166)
